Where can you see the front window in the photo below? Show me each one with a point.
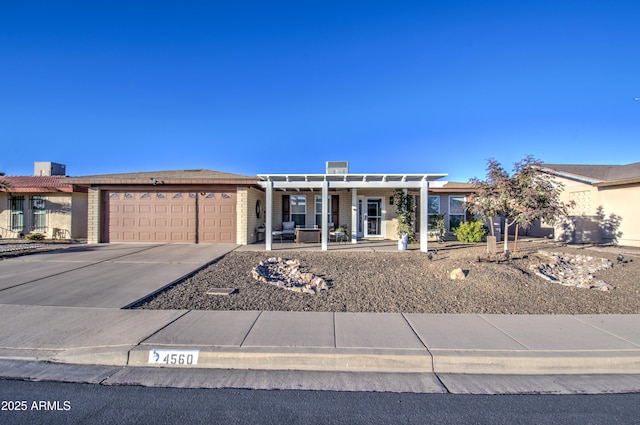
(456, 211)
(39, 213)
(298, 209)
(319, 211)
(16, 206)
(433, 210)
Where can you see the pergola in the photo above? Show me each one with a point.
(324, 182)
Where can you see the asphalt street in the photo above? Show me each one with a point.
(63, 403)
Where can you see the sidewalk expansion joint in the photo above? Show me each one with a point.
(139, 344)
(421, 341)
(502, 332)
(251, 328)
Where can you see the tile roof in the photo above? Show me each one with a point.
(596, 173)
(35, 184)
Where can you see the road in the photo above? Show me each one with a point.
(67, 403)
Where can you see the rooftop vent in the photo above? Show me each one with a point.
(49, 169)
(337, 167)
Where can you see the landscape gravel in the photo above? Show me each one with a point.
(410, 282)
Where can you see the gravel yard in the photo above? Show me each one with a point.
(17, 247)
(411, 283)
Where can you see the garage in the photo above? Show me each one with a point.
(170, 216)
(174, 206)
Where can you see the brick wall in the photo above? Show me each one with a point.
(93, 216)
(247, 220)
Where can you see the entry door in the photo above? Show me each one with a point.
(373, 217)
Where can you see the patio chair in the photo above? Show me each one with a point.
(288, 230)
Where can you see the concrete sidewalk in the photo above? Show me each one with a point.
(337, 342)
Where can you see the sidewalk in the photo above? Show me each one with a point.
(338, 342)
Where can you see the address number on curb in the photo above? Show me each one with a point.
(174, 357)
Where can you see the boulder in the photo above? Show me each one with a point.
(457, 274)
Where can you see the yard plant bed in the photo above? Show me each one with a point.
(409, 282)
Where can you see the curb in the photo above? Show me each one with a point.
(537, 362)
(364, 360)
(307, 359)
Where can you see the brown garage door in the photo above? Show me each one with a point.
(179, 217)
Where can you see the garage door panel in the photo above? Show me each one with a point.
(145, 236)
(184, 217)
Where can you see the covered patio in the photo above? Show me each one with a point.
(354, 184)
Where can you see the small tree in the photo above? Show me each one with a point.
(486, 202)
(522, 198)
(406, 212)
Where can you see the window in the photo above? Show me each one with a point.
(456, 211)
(433, 210)
(298, 209)
(16, 206)
(38, 207)
(319, 211)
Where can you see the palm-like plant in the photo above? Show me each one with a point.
(4, 184)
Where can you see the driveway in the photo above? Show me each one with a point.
(110, 275)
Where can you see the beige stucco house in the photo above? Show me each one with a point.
(606, 203)
(206, 206)
(43, 204)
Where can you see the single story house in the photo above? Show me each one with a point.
(205, 206)
(44, 204)
(605, 203)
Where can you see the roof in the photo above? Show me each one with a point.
(197, 176)
(37, 184)
(599, 175)
(455, 187)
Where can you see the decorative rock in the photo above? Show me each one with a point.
(286, 274)
(572, 270)
(457, 274)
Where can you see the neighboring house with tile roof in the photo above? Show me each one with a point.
(42, 204)
(606, 202)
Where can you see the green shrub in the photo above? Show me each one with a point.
(35, 237)
(470, 231)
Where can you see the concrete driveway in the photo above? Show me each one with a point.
(110, 275)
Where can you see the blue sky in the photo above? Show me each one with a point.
(282, 87)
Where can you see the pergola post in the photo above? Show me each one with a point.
(424, 215)
(325, 215)
(268, 231)
(354, 215)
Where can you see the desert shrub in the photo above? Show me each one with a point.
(470, 231)
(35, 237)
